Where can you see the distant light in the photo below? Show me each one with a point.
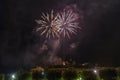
(42, 72)
(80, 78)
(13, 76)
(64, 64)
(95, 71)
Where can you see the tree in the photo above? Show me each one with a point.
(70, 74)
(108, 74)
(54, 75)
(2, 77)
(89, 75)
(24, 75)
(38, 75)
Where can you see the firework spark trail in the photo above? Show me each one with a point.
(47, 25)
(67, 23)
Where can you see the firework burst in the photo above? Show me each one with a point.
(47, 25)
(67, 23)
(62, 24)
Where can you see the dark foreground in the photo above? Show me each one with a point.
(39, 73)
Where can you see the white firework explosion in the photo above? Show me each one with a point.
(67, 23)
(48, 25)
(63, 24)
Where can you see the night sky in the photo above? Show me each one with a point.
(98, 42)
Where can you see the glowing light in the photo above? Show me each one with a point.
(80, 78)
(95, 71)
(42, 72)
(13, 76)
(64, 63)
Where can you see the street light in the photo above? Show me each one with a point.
(80, 78)
(13, 76)
(97, 74)
(95, 71)
(43, 73)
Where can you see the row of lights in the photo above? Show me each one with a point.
(13, 76)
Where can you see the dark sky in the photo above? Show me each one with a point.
(97, 42)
